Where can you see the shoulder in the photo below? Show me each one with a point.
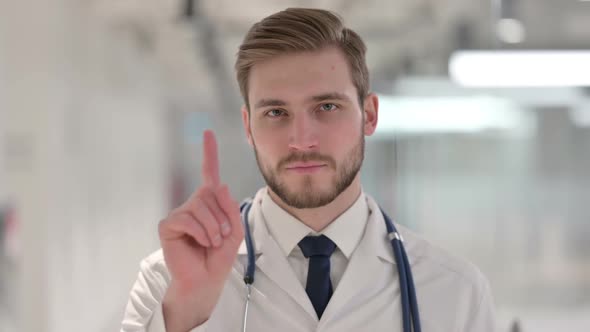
(464, 287)
(435, 262)
(443, 264)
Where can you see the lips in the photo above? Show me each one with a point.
(304, 165)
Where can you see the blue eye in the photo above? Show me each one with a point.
(274, 113)
(328, 107)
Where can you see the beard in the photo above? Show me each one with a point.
(309, 196)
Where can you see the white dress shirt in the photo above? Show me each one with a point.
(453, 295)
(345, 231)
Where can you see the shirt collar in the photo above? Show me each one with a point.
(345, 231)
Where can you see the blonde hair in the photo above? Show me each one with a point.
(299, 30)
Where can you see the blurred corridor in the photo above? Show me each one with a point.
(102, 106)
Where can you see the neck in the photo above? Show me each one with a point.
(320, 217)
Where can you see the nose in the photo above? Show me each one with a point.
(303, 133)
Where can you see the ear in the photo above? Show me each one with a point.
(371, 109)
(246, 123)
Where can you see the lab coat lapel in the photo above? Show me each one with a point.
(272, 262)
(366, 266)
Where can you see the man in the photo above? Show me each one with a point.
(307, 108)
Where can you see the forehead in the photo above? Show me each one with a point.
(298, 76)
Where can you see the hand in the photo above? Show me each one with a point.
(200, 240)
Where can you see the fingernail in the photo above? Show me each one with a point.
(217, 240)
(225, 228)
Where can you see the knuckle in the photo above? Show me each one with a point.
(216, 212)
(161, 225)
(177, 215)
(201, 210)
(165, 223)
(209, 224)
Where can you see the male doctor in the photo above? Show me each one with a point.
(323, 259)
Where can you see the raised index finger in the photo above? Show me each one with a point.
(210, 169)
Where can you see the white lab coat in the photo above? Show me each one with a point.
(453, 296)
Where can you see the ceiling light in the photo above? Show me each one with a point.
(520, 68)
(404, 115)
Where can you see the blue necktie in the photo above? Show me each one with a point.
(319, 287)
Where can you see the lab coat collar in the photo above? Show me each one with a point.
(271, 260)
(380, 246)
(345, 231)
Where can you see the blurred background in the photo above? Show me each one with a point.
(483, 144)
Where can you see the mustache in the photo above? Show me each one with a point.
(307, 157)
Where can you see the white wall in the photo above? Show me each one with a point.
(88, 169)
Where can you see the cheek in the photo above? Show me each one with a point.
(342, 140)
(345, 129)
(270, 133)
(270, 144)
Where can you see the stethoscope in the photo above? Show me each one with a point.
(410, 314)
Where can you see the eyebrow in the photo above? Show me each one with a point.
(325, 96)
(269, 102)
(330, 96)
